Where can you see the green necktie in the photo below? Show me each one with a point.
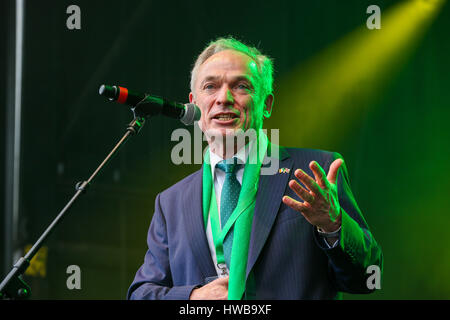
(228, 201)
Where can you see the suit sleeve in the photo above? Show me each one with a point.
(153, 280)
(358, 249)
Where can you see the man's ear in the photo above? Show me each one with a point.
(192, 100)
(268, 104)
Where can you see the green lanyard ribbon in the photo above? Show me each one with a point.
(241, 218)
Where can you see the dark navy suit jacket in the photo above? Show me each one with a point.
(287, 258)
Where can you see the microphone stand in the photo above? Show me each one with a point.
(13, 286)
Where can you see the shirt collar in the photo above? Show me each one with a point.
(241, 155)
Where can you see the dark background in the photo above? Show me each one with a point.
(397, 154)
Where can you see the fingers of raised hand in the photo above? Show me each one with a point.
(301, 192)
(296, 205)
(309, 182)
(319, 174)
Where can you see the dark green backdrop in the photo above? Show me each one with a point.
(397, 154)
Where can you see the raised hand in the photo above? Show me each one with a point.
(320, 205)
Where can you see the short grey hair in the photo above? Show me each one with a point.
(263, 62)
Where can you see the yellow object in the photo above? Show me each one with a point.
(38, 265)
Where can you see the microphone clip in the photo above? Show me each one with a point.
(135, 125)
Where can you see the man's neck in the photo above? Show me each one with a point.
(223, 151)
(226, 151)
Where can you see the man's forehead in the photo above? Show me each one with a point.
(228, 60)
(232, 77)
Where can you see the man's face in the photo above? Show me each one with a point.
(228, 93)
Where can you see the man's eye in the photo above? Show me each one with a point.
(242, 86)
(208, 86)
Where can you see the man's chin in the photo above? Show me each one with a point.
(223, 133)
(229, 139)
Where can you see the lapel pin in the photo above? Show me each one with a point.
(284, 170)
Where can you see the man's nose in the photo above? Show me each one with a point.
(225, 96)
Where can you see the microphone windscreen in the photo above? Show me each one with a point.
(192, 113)
(108, 91)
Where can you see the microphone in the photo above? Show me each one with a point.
(146, 105)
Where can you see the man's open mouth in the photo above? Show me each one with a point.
(225, 116)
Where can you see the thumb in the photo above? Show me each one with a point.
(222, 280)
(333, 171)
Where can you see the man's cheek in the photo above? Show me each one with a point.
(200, 124)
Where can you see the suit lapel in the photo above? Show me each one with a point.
(271, 189)
(195, 229)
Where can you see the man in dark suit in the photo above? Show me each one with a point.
(232, 230)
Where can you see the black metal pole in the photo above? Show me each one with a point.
(12, 286)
